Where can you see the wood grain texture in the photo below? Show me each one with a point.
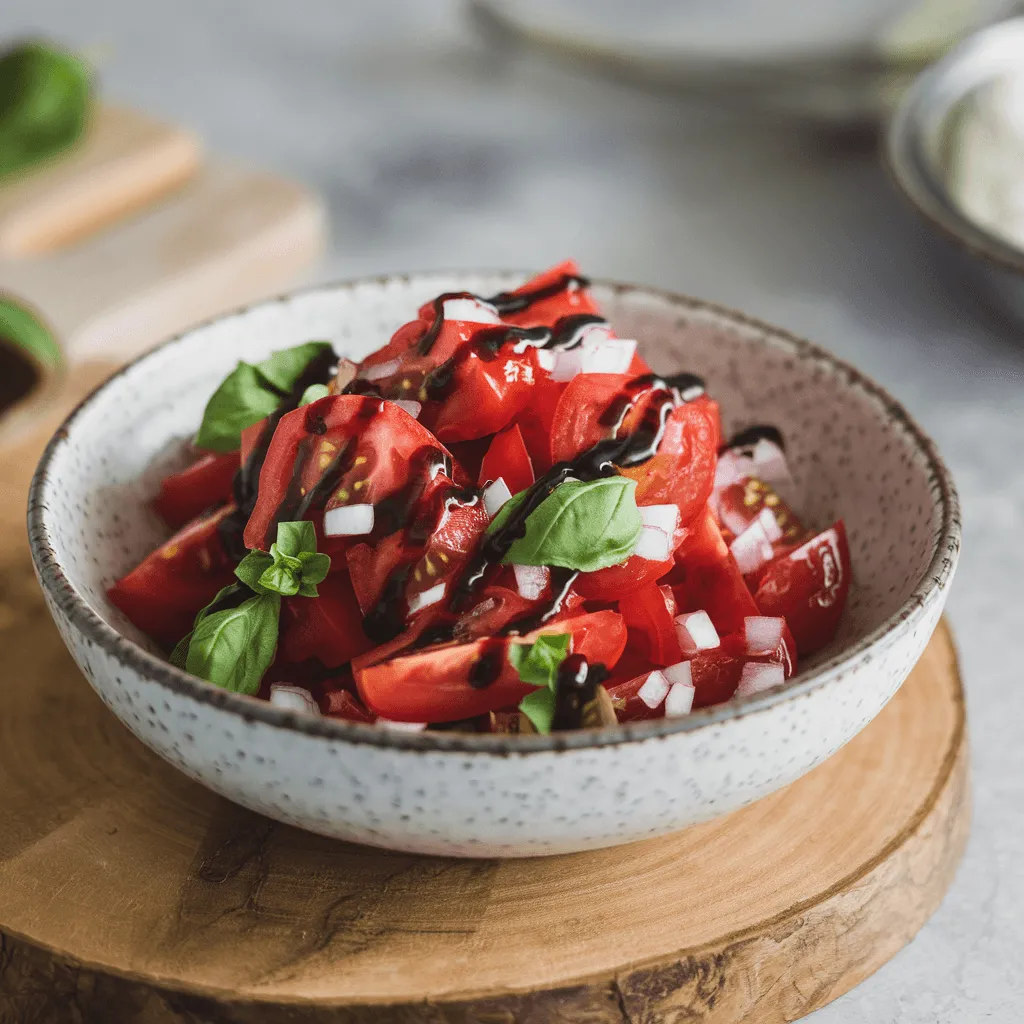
(129, 893)
(125, 161)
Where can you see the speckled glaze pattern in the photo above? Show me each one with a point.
(854, 454)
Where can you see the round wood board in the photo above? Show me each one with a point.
(129, 893)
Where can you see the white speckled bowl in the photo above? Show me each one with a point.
(855, 454)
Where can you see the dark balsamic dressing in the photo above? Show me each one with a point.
(751, 435)
(245, 486)
(575, 688)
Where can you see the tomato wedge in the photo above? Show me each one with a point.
(508, 459)
(569, 301)
(328, 627)
(707, 578)
(198, 488)
(343, 449)
(649, 615)
(163, 594)
(433, 685)
(808, 588)
(618, 580)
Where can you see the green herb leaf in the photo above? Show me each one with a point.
(179, 656)
(292, 566)
(538, 663)
(294, 539)
(539, 708)
(581, 525)
(506, 510)
(313, 394)
(44, 104)
(252, 567)
(233, 648)
(241, 400)
(19, 327)
(314, 570)
(282, 369)
(250, 393)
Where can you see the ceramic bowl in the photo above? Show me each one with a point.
(854, 452)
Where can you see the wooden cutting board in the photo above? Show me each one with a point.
(130, 238)
(129, 893)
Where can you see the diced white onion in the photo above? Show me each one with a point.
(681, 673)
(757, 676)
(345, 374)
(470, 311)
(609, 355)
(380, 371)
(425, 598)
(731, 468)
(348, 521)
(653, 544)
(661, 517)
(753, 547)
(770, 525)
(495, 495)
(531, 580)
(293, 698)
(762, 634)
(769, 463)
(412, 408)
(547, 359)
(568, 362)
(654, 690)
(386, 723)
(696, 632)
(679, 700)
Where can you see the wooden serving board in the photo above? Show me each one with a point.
(129, 893)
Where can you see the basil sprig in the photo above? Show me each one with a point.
(19, 327)
(250, 393)
(44, 104)
(291, 567)
(538, 663)
(582, 525)
(234, 646)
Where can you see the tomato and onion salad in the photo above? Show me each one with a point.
(501, 520)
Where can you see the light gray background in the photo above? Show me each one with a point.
(432, 151)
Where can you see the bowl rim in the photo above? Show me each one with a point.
(932, 582)
(932, 95)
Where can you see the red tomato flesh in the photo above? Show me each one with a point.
(508, 459)
(198, 488)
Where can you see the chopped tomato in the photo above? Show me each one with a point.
(618, 580)
(343, 449)
(741, 503)
(535, 421)
(627, 703)
(649, 615)
(497, 607)
(569, 301)
(165, 592)
(707, 578)
(434, 684)
(508, 459)
(587, 412)
(328, 627)
(808, 588)
(198, 488)
(716, 674)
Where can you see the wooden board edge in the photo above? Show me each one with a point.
(779, 970)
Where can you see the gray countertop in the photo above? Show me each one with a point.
(432, 151)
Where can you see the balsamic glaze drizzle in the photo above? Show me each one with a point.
(576, 687)
(246, 482)
(751, 435)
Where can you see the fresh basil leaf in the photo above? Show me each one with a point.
(233, 648)
(280, 579)
(294, 539)
(252, 567)
(19, 327)
(538, 663)
(44, 104)
(282, 369)
(314, 570)
(581, 525)
(539, 708)
(179, 656)
(313, 394)
(506, 511)
(239, 402)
